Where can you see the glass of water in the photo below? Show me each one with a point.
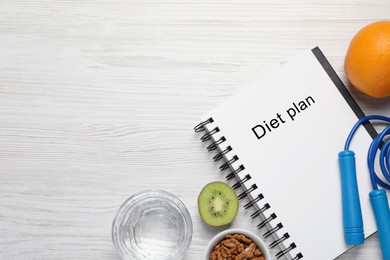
(153, 224)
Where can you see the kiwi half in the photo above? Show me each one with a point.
(217, 204)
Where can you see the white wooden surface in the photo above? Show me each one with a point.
(98, 100)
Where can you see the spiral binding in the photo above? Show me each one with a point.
(266, 221)
(280, 240)
(260, 211)
(241, 182)
(273, 230)
(234, 173)
(253, 201)
(285, 251)
(215, 144)
(227, 164)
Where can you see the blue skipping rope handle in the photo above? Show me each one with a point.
(380, 206)
(352, 217)
(352, 213)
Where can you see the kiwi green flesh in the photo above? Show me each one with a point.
(218, 204)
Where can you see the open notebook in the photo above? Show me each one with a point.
(281, 140)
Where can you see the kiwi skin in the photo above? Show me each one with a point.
(217, 204)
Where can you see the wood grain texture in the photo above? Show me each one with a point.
(98, 100)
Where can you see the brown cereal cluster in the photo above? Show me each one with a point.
(236, 247)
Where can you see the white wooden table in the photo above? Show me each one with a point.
(98, 100)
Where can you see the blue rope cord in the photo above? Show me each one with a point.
(384, 155)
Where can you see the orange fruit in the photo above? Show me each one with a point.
(367, 63)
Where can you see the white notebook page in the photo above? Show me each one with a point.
(293, 155)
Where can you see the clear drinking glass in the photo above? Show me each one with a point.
(153, 224)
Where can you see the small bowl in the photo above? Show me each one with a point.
(221, 236)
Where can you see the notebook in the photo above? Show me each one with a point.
(280, 141)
